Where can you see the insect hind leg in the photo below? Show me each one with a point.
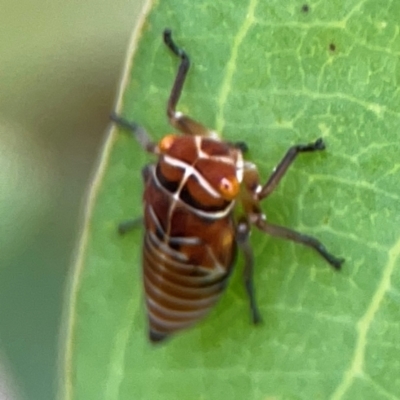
(242, 239)
(289, 234)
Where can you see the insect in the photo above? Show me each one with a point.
(191, 233)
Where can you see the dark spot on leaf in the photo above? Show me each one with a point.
(305, 8)
(332, 46)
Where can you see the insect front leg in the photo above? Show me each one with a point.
(138, 132)
(285, 163)
(242, 239)
(256, 192)
(182, 122)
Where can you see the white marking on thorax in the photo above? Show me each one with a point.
(202, 155)
(239, 164)
(189, 171)
(200, 213)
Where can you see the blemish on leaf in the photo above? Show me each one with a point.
(305, 8)
(332, 47)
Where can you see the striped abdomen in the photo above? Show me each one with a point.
(189, 245)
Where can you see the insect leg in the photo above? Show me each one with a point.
(285, 233)
(242, 238)
(180, 76)
(130, 224)
(138, 132)
(178, 120)
(285, 163)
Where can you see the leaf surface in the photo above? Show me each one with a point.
(272, 74)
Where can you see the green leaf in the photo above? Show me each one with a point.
(271, 73)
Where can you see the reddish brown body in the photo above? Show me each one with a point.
(189, 245)
(191, 235)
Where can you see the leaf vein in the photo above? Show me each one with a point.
(364, 324)
(231, 65)
(374, 107)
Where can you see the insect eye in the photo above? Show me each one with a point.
(166, 142)
(229, 188)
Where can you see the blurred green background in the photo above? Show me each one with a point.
(60, 66)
